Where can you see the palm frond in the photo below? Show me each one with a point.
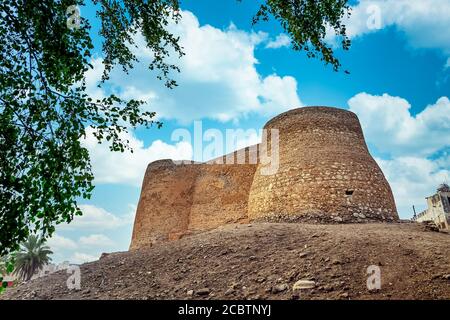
(32, 257)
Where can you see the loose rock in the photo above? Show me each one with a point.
(303, 285)
(280, 288)
(203, 292)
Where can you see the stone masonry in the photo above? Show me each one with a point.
(326, 175)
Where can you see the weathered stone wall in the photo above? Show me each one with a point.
(165, 203)
(179, 198)
(326, 173)
(220, 195)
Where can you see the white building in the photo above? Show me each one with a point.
(438, 208)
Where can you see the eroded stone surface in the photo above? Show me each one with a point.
(325, 175)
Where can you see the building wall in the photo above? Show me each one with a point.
(180, 198)
(165, 202)
(220, 195)
(325, 174)
(438, 210)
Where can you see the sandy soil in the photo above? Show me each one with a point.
(264, 261)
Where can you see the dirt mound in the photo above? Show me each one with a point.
(265, 261)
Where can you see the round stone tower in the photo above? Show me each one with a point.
(325, 172)
(165, 203)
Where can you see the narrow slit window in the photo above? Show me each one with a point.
(348, 192)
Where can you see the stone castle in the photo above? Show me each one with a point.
(325, 175)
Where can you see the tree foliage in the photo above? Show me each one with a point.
(31, 258)
(6, 268)
(45, 108)
(45, 51)
(307, 23)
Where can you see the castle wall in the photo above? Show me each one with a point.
(326, 173)
(180, 198)
(220, 195)
(165, 203)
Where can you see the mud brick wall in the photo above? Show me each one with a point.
(165, 203)
(179, 198)
(220, 195)
(326, 173)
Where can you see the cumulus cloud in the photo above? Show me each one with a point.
(424, 22)
(414, 147)
(95, 218)
(80, 257)
(282, 40)
(91, 234)
(96, 240)
(127, 167)
(218, 78)
(61, 247)
(389, 125)
(412, 179)
(66, 249)
(58, 243)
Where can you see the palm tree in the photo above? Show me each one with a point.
(32, 257)
(3, 261)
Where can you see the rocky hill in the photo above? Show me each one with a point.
(264, 261)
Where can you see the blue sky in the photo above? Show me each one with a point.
(238, 76)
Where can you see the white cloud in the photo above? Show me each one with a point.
(412, 179)
(80, 257)
(218, 78)
(93, 76)
(61, 247)
(282, 91)
(65, 249)
(425, 22)
(127, 167)
(415, 159)
(58, 243)
(96, 231)
(282, 40)
(388, 124)
(96, 240)
(95, 218)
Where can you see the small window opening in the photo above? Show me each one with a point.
(348, 192)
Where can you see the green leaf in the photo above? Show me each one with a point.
(10, 268)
